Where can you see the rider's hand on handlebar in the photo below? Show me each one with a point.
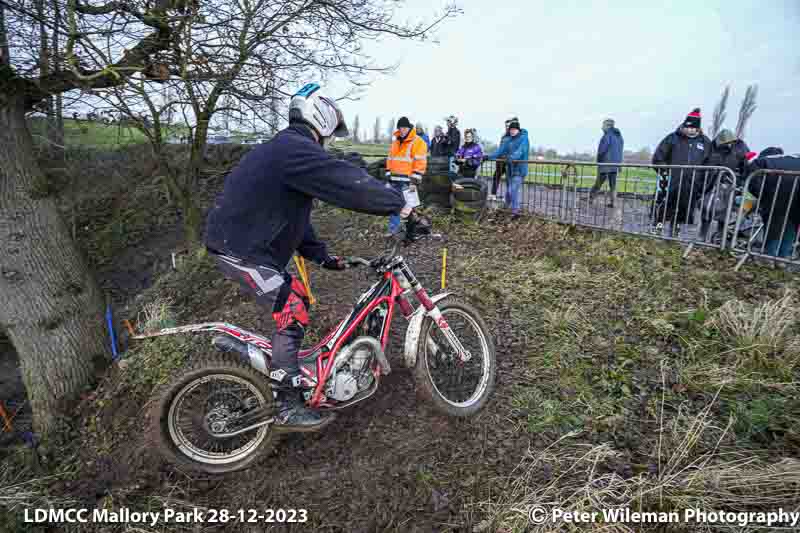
(334, 262)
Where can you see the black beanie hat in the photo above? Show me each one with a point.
(404, 123)
(514, 124)
(692, 119)
(772, 150)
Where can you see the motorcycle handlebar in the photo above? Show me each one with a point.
(355, 261)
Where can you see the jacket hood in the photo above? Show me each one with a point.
(615, 131)
(410, 137)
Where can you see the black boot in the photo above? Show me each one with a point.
(294, 417)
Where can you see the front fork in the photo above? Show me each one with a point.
(410, 283)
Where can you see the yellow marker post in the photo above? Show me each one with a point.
(444, 267)
(301, 269)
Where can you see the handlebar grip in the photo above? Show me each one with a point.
(356, 261)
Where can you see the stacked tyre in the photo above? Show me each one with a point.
(470, 198)
(435, 187)
(377, 169)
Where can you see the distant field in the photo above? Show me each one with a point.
(86, 133)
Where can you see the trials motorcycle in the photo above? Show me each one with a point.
(217, 415)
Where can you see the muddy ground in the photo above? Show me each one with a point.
(589, 328)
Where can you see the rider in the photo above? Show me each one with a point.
(263, 216)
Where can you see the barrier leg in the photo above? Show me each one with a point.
(741, 261)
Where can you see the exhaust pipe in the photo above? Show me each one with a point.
(248, 353)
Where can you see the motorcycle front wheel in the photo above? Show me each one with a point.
(454, 384)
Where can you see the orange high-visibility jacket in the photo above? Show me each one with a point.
(408, 158)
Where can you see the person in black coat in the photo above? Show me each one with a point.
(679, 190)
(778, 199)
(453, 144)
(440, 144)
(729, 152)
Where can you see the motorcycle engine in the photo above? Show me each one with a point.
(353, 376)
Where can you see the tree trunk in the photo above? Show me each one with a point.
(52, 308)
(192, 217)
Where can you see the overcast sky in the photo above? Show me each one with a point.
(563, 66)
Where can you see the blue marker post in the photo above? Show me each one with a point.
(110, 325)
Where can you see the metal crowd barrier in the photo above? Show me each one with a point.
(562, 191)
(705, 206)
(765, 223)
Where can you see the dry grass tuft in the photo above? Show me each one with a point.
(689, 468)
(764, 329)
(157, 314)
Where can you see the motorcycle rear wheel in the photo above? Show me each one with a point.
(185, 434)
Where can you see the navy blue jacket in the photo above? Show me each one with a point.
(264, 212)
(610, 150)
(778, 194)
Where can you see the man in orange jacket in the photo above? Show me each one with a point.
(406, 164)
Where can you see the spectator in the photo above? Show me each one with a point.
(500, 166)
(406, 164)
(516, 149)
(778, 199)
(469, 156)
(608, 151)
(726, 151)
(439, 144)
(679, 190)
(423, 135)
(453, 141)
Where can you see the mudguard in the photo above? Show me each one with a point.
(414, 330)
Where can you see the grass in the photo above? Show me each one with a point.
(690, 468)
(92, 134)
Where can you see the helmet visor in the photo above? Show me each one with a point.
(341, 129)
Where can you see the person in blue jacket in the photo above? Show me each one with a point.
(608, 151)
(500, 167)
(422, 135)
(516, 149)
(263, 216)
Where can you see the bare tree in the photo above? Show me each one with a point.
(52, 308)
(390, 129)
(256, 51)
(746, 110)
(719, 112)
(376, 130)
(356, 127)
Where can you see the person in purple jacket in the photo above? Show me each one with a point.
(469, 156)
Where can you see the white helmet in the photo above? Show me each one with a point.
(318, 111)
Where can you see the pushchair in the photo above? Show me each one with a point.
(714, 210)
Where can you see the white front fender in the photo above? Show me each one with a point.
(414, 330)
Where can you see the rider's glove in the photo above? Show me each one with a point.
(334, 262)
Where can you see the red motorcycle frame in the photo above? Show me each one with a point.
(317, 363)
